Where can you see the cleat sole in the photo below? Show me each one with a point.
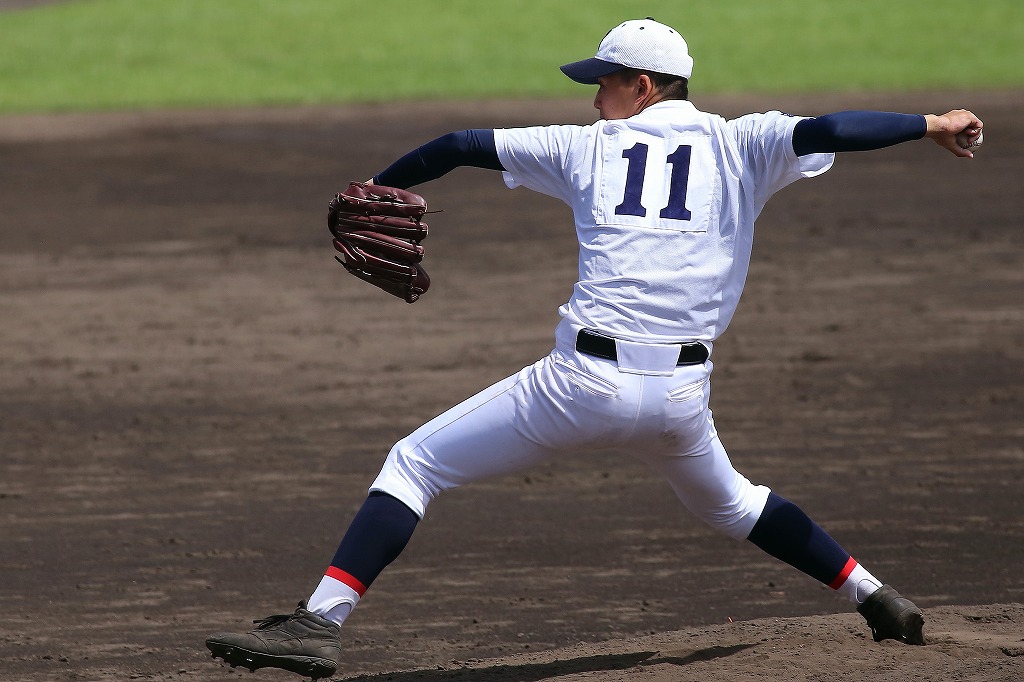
(315, 668)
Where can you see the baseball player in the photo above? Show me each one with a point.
(664, 199)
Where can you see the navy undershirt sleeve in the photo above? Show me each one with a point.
(464, 148)
(856, 131)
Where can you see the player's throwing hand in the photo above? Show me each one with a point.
(959, 131)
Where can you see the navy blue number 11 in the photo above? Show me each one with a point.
(637, 157)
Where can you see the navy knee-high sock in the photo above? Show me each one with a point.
(377, 535)
(788, 534)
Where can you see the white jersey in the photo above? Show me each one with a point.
(664, 204)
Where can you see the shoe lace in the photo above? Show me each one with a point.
(269, 621)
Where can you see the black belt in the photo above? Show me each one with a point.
(600, 346)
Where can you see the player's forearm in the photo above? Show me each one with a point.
(438, 157)
(849, 131)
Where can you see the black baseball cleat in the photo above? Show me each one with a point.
(301, 642)
(892, 616)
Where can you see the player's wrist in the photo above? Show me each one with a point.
(935, 125)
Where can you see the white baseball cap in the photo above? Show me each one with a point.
(638, 44)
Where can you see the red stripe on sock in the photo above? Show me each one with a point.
(347, 578)
(851, 564)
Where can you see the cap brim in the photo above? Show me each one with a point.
(587, 71)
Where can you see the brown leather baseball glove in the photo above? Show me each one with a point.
(378, 231)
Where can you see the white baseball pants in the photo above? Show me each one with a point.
(641, 404)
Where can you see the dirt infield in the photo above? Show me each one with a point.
(194, 397)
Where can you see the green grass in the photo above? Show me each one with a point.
(127, 54)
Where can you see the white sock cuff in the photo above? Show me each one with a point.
(333, 599)
(859, 585)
